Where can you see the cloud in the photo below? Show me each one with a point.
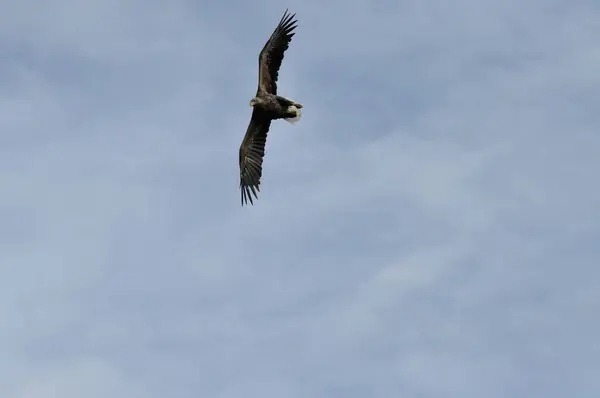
(428, 229)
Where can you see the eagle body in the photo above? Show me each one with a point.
(266, 107)
(275, 106)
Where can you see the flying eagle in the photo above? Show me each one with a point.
(267, 106)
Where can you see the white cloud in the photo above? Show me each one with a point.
(88, 377)
(428, 229)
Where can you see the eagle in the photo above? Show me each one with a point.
(266, 106)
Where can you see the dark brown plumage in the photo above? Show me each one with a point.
(267, 106)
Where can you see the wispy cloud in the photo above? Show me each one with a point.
(428, 229)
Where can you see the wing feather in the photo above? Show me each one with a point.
(252, 152)
(271, 56)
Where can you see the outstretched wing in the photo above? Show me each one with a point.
(252, 152)
(271, 56)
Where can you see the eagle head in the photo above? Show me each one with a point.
(255, 101)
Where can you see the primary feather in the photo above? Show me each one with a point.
(252, 152)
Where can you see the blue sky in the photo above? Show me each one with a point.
(428, 229)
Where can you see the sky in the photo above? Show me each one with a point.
(428, 229)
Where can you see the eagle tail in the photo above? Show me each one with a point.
(294, 119)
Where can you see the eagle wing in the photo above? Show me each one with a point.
(252, 152)
(271, 56)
